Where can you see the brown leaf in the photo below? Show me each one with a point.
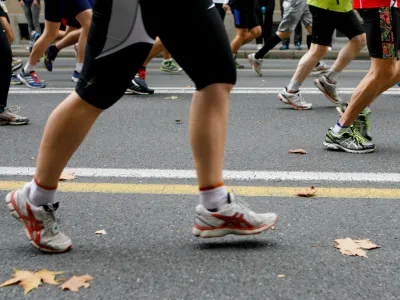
(171, 98)
(48, 277)
(349, 246)
(76, 282)
(307, 192)
(101, 232)
(281, 276)
(27, 280)
(178, 121)
(298, 151)
(67, 176)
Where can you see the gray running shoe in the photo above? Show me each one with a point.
(255, 63)
(295, 100)
(350, 141)
(8, 117)
(328, 89)
(320, 69)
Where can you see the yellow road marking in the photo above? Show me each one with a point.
(180, 189)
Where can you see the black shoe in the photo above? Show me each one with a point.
(138, 85)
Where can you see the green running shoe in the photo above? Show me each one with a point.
(349, 141)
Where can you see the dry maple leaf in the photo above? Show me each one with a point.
(101, 232)
(67, 176)
(281, 276)
(298, 151)
(307, 193)
(48, 277)
(349, 246)
(171, 98)
(75, 282)
(26, 279)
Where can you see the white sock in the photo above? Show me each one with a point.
(29, 68)
(339, 129)
(79, 67)
(39, 196)
(214, 199)
(293, 86)
(332, 76)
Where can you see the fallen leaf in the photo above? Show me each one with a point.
(76, 282)
(298, 151)
(101, 232)
(281, 276)
(178, 122)
(307, 193)
(352, 247)
(48, 277)
(67, 176)
(171, 98)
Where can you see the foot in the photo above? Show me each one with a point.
(328, 89)
(40, 223)
(75, 76)
(295, 100)
(8, 117)
(350, 141)
(320, 69)
(16, 63)
(49, 57)
(35, 37)
(284, 47)
(256, 64)
(170, 67)
(15, 80)
(363, 122)
(297, 46)
(31, 79)
(235, 217)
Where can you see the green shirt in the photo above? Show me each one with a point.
(334, 5)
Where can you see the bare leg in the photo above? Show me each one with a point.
(49, 36)
(155, 50)
(348, 52)
(208, 126)
(65, 130)
(239, 39)
(84, 18)
(70, 39)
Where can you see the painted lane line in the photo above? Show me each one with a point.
(177, 189)
(228, 174)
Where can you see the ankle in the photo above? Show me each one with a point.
(213, 197)
(40, 195)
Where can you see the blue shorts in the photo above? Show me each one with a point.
(55, 10)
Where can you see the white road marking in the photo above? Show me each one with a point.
(228, 175)
(184, 90)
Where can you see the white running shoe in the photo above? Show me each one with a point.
(256, 64)
(295, 100)
(320, 69)
(40, 223)
(328, 89)
(235, 217)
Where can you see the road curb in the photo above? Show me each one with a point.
(273, 54)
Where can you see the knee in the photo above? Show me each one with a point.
(241, 35)
(50, 35)
(318, 51)
(256, 31)
(85, 19)
(360, 40)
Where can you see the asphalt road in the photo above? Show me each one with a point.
(149, 253)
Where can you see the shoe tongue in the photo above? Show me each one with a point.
(230, 198)
(50, 208)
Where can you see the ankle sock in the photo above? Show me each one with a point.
(29, 68)
(339, 129)
(40, 196)
(269, 44)
(213, 197)
(332, 76)
(79, 67)
(293, 86)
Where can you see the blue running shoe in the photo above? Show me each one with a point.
(49, 57)
(75, 76)
(35, 37)
(31, 80)
(298, 46)
(284, 47)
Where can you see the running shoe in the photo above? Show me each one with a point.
(170, 67)
(349, 141)
(297, 46)
(328, 89)
(255, 63)
(75, 76)
(49, 57)
(16, 63)
(40, 223)
(31, 79)
(295, 100)
(363, 122)
(238, 66)
(321, 68)
(138, 85)
(8, 117)
(235, 217)
(35, 36)
(15, 80)
(284, 47)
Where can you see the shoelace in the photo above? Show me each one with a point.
(51, 217)
(360, 140)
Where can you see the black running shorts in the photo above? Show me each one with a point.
(383, 32)
(244, 14)
(326, 21)
(123, 32)
(55, 10)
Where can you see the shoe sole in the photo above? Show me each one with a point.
(16, 67)
(74, 80)
(2, 122)
(29, 86)
(132, 92)
(215, 233)
(287, 102)
(317, 73)
(16, 215)
(337, 147)
(173, 72)
(325, 92)
(252, 65)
